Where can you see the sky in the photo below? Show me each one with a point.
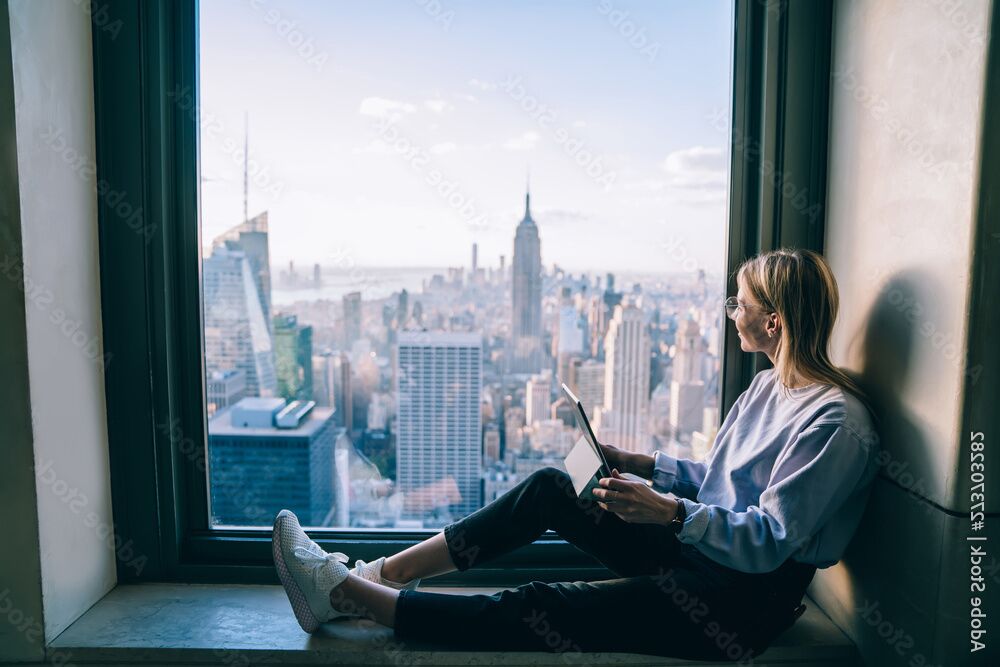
(398, 133)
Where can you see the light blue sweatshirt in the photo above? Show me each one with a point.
(786, 477)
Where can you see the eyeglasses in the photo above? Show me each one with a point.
(732, 305)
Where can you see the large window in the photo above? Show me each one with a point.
(343, 301)
(419, 219)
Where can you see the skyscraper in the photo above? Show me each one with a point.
(403, 309)
(526, 330)
(237, 335)
(537, 397)
(222, 389)
(352, 319)
(626, 380)
(344, 391)
(293, 358)
(265, 455)
(687, 390)
(251, 238)
(323, 379)
(588, 382)
(439, 378)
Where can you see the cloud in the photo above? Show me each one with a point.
(438, 106)
(579, 123)
(482, 85)
(557, 216)
(698, 167)
(525, 142)
(444, 147)
(380, 107)
(375, 147)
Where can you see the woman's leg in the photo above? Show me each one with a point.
(424, 559)
(543, 500)
(675, 613)
(356, 595)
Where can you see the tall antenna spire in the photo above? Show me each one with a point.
(246, 161)
(527, 192)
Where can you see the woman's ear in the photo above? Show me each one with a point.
(773, 325)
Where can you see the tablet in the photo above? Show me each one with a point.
(588, 432)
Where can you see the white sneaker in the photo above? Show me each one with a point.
(306, 571)
(373, 572)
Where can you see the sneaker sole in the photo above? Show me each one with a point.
(303, 614)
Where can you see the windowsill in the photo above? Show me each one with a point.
(247, 624)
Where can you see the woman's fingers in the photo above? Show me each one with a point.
(618, 483)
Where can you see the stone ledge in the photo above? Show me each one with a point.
(171, 624)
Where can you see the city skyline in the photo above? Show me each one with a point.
(368, 270)
(321, 138)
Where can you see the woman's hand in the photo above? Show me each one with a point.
(617, 458)
(634, 502)
(637, 464)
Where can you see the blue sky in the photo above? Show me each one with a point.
(399, 132)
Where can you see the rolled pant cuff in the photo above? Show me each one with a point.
(455, 537)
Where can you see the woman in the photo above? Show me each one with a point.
(714, 572)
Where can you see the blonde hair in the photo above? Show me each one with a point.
(799, 286)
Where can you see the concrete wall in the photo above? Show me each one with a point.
(20, 576)
(906, 118)
(53, 85)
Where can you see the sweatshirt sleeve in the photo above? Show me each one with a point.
(682, 477)
(809, 482)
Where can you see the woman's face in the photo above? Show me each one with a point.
(753, 325)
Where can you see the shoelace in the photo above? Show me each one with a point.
(317, 556)
(366, 571)
(320, 563)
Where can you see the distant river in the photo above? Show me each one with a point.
(372, 282)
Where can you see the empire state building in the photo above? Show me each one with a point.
(526, 332)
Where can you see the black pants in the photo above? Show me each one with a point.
(670, 600)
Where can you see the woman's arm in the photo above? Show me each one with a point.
(809, 483)
(682, 477)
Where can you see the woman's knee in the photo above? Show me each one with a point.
(552, 478)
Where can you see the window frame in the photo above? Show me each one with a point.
(145, 78)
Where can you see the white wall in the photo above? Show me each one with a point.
(906, 117)
(904, 156)
(51, 50)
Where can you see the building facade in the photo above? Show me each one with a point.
(439, 379)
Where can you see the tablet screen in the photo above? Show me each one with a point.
(588, 432)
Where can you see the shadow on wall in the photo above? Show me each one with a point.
(887, 361)
(885, 592)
